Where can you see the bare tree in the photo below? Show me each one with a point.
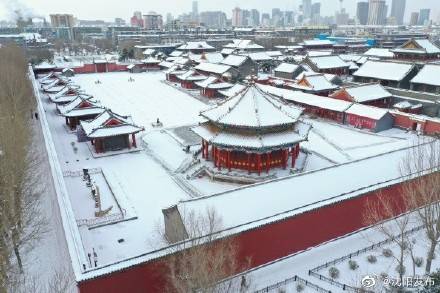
(423, 192)
(203, 261)
(394, 228)
(60, 281)
(21, 222)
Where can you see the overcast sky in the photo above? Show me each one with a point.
(109, 9)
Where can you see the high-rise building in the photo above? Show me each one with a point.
(362, 12)
(153, 21)
(316, 13)
(424, 16)
(245, 17)
(307, 8)
(414, 18)
(213, 19)
(276, 17)
(236, 17)
(377, 12)
(119, 21)
(62, 20)
(255, 18)
(398, 10)
(289, 18)
(136, 19)
(265, 19)
(195, 11)
(342, 17)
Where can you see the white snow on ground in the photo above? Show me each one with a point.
(145, 99)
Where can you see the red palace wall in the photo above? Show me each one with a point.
(361, 122)
(405, 121)
(262, 244)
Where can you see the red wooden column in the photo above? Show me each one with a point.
(249, 162)
(133, 138)
(293, 155)
(213, 154)
(219, 163)
(203, 148)
(259, 164)
(207, 150)
(267, 162)
(285, 156)
(229, 161)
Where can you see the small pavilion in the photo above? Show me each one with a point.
(109, 132)
(82, 108)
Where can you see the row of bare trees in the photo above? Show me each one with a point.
(21, 220)
(421, 195)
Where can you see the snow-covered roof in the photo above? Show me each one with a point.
(149, 51)
(328, 62)
(379, 52)
(210, 57)
(403, 105)
(286, 67)
(207, 81)
(226, 138)
(227, 51)
(274, 53)
(351, 57)
(313, 53)
(214, 68)
(430, 75)
(108, 124)
(418, 46)
(353, 65)
(234, 90)
(384, 70)
(315, 82)
(367, 92)
(374, 113)
(176, 53)
(220, 85)
(49, 83)
(191, 75)
(150, 60)
(252, 108)
(259, 56)
(243, 45)
(81, 106)
(46, 76)
(316, 42)
(55, 89)
(201, 45)
(45, 65)
(166, 64)
(308, 99)
(63, 99)
(234, 60)
(289, 196)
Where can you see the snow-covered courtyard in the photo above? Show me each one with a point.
(146, 182)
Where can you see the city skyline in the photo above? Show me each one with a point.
(125, 9)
